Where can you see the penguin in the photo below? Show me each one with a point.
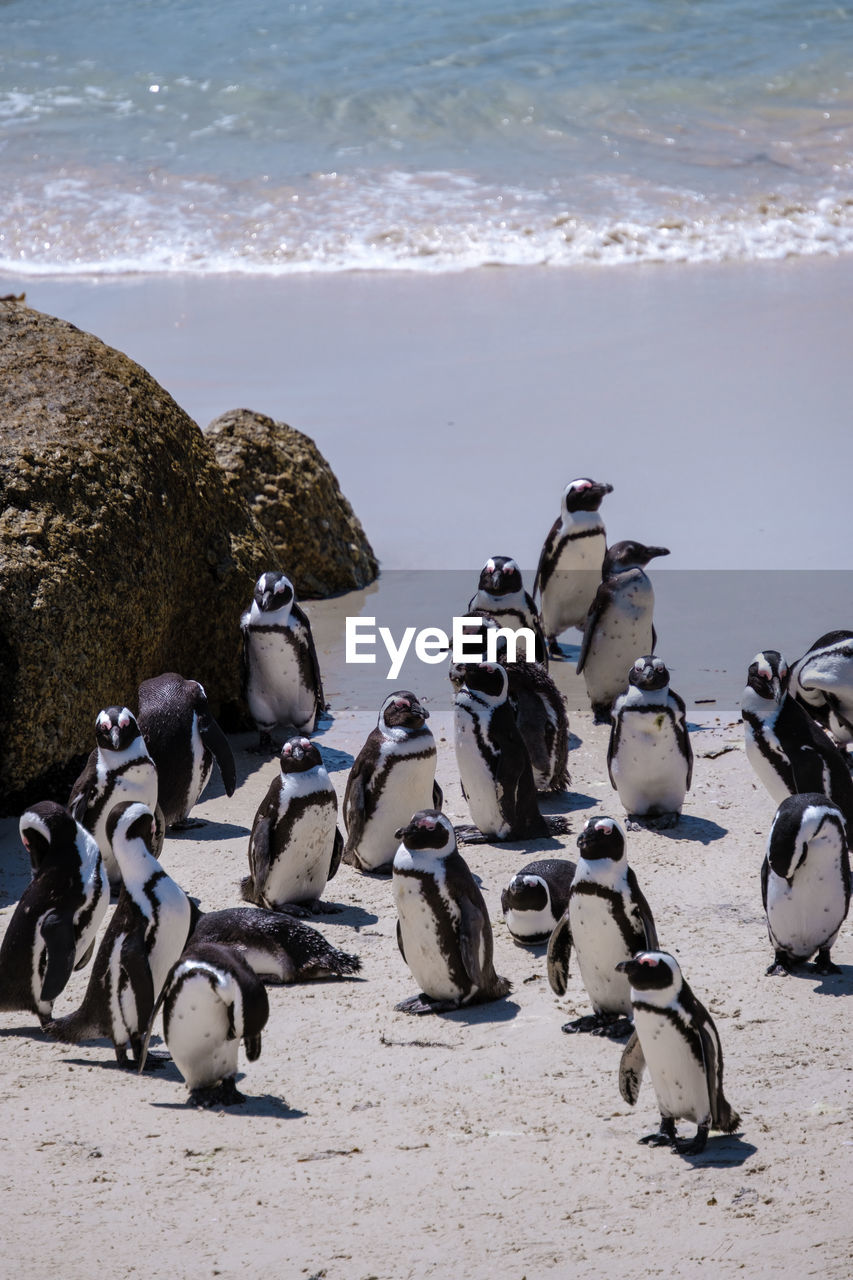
(120, 769)
(393, 776)
(619, 624)
(822, 682)
(443, 928)
(494, 767)
(805, 882)
(147, 933)
(789, 752)
(212, 999)
(295, 846)
(53, 927)
(535, 899)
(570, 562)
(281, 674)
(501, 595)
(649, 757)
(607, 920)
(279, 948)
(676, 1037)
(538, 705)
(183, 740)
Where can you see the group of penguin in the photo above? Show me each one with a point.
(207, 970)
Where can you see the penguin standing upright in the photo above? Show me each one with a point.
(443, 928)
(295, 846)
(393, 777)
(281, 674)
(805, 882)
(53, 927)
(607, 920)
(619, 625)
(494, 767)
(822, 682)
(119, 770)
(501, 595)
(535, 899)
(676, 1038)
(570, 563)
(183, 740)
(147, 933)
(789, 752)
(211, 1001)
(649, 757)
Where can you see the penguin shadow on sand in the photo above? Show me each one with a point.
(688, 827)
(827, 984)
(355, 917)
(724, 1151)
(503, 1010)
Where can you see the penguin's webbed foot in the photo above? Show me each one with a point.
(187, 824)
(601, 713)
(694, 1146)
(265, 745)
(155, 1061)
(823, 964)
(422, 1004)
(554, 650)
(311, 907)
(224, 1094)
(665, 1136)
(652, 822)
(782, 967)
(611, 1025)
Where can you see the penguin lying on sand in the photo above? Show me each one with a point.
(278, 947)
(535, 899)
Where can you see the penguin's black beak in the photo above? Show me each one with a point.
(652, 553)
(623, 966)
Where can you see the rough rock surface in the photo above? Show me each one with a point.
(292, 490)
(123, 552)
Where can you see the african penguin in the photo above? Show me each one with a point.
(281, 674)
(279, 948)
(52, 930)
(183, 740)
(443, 928)
(501, 595)
(822, 682)
(119, 770)
(295, 846)
(147, 933)
(535, 899)
(211, 1001)
(649, 758)
(805, 882)
(393, 777)
(789, 752)
(607, 920)
(676, 1038)
(570, 563)
(494, 766)
(619, 625)
(538, 706)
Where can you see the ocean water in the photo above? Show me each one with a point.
(426, 135)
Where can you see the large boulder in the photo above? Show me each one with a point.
(281, 474)
(123, 551)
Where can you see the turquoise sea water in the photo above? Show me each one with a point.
(171, 135)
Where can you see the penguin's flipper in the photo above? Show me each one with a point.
(649, 941)
(722, 1115)
(473, 947)
(765, 877)
(400, 941)
(57, 929)
(86, 956)
(593, 617)
(437, 795)
(302, 618)
(631, 1067)
(559, 954)
(547, 559)
(357, 798)
(259, 851)
(220, 748)
(613, 746)
(134, 961)
(337, 854)
(83, 789)
(143, 1052)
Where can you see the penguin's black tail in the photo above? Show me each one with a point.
(74, 1027)
(727, 1120)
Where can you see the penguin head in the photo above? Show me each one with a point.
(475, 628)
(299, 754)
(798, 820)
(525, 892)
(131, 821)
(649, 673)
(602, 838)
(629, 555)
(652, 972)
(49, 834)
(500, 576)
(488, 680)
(273, 591)
(401, 710)
(768, 675)
(584, 495)
(428, 829)
(115, 728)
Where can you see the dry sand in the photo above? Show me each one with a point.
(474, 1144)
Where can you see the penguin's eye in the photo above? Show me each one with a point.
(604, 826)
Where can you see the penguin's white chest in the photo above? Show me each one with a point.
(649, 770)
(677, 1076)
(571, 588)
(475, 772)
(406, 788)
(198, 1033)
(423, 942)
(168, 931)
(623, 633)
(807, 915)
(599, 947)
(276, 692)
(302, 845)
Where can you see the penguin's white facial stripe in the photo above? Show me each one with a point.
(657, 663)
(489, 566)
(103, 721)
(32, 822)
(639, 664)
(510, 567)
(578, 486)
(604, 824)
(124, 719)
